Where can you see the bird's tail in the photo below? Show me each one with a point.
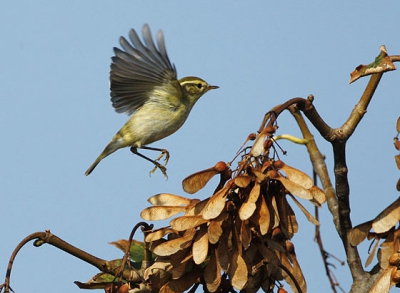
(114, 145)
(91, 168)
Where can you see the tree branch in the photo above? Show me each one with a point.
(48, 237)
(318, 163)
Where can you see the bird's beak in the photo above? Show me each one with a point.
(212, 87)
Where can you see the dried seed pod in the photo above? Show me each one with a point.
(268, 143)
(279, 164)
(220, 166)
(394, 259)
(282, 290)
(395, 275)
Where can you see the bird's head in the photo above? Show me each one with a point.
(194, 87)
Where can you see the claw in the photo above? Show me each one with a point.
(156, 164)
(163, 153)
(161, 167)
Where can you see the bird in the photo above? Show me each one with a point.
(144, 85)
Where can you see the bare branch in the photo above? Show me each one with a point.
(318, 163)
(48, 237)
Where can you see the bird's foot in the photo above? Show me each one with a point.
(156, 164)
(161, 167)
(163, 153)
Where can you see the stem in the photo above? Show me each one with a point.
(324, 255)
(318, 163)
(147, 259)
(48, 237)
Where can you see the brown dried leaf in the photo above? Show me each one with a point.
(275, 245)
(215, 229)
(260, 175)
(197, 208)
(318, 194)
(185, 282)
(186, 222)
(371, 254)
(224, 249)
(248, 207)
(267, 254)
(382, 63)
(212, 274)
(216, 204)
(397, 159)
(245, 234)
(267, 285)
(155, 243)
(135, 249)
(388, 218)
(308, 215)
(395, 276)
(297, 273)
(179, 270)
(392, 239)
(394, 259)
(397, 146)
(168, 199)
(180, 257)
(297, 176)
(161, 212)
(180, 262)
(242, 180)
(254, 193)
(288, 222)
(275, 214)
(198, 180)
(383, 283)
(359, 233)
(294, 267)
(237, 271)
(200, 245)
(264, 219)
(251, 136)
(166, 289)
(398, 125)
(251, 255)
(122, 244)
(158, 234)
(156, 273)
(258, 145)
(387, 249)
(174, 245)
(295, 189)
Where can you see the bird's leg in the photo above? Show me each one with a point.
(156, 164)
(163, 152)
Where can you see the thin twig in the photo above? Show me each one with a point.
(145, 226)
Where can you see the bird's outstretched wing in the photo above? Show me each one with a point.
(139, 71)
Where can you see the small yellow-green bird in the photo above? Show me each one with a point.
(144, 84)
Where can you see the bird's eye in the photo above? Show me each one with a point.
(199, 85)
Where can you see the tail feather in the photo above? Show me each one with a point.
(91, 168)
(114, 145)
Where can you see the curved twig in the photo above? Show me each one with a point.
(144, 226)
(49, 238)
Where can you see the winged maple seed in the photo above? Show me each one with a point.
(237, 237)
(384, 226)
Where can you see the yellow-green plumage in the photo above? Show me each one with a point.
(144, 83)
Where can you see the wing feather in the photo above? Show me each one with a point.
(138, 69)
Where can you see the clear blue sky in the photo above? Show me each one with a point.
(56, 117)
